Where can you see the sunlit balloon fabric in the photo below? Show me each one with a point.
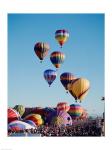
(37, 119)
(50, 76)
(13, 115)
(62, 119)
(20, 109)
(79, 88)
(41, 49)
(57, 58)
(61, 36)
(63, 106)
(66, 78)
(19, 126)
(75, 110)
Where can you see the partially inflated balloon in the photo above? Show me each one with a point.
(62, 119)
(57, 58)
(50, 76)
(37, 119)
(19, 126)
(20, 109)
(66, 78)
(13, 115)
(61, 36)
(79, 88)
(75, 111)
(63, 106)
(41, 49)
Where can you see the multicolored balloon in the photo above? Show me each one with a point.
(41, 49)
(62, 119)
(57, 58)
(30, 122)
(61, 36)
(75, 111)
(66, 78)
(13, 115)
(63, 106)
(20, 109)
(19, 126)
(50, 76)
(37, 119)
(79, 88)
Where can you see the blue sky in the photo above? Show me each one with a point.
(84, 52)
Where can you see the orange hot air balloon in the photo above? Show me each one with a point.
(35, 118)
(79, 88)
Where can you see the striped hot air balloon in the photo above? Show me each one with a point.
(19, 126)
(50, 76)
(37, 119)
(63, 106)
(41, 49)
(57, 58)
(79, 88)
(66, 78)
(13, 115)
(61, 36)
(75, 111)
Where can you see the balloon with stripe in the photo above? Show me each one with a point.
(61, 36)
(50, 76)
(57, 58)
(41, 50)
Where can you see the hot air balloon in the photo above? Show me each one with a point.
(63, 106)
(66, 78)
(30, 122)
(20, 109)
(75, 111)
(62, 119)
(79, 88)
(61, 36)
(84, 115)
(50, 76)
(37, 119)
(19, 126)
(57, 58)
(13, 115)
(41, 49)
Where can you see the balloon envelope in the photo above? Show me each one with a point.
(20, 109)
(79, 88)
(62, 119)
(75, 111)
(35, 118)
(19, 125)
(41, 49)
(50, 76)
(61, 36)
(63, 106)
(57, 58)
(13, 115)
(66, 78)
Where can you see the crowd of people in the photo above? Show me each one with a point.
(91, 128)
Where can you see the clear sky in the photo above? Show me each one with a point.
(84, 52)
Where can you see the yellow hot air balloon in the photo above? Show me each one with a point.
(79, 88)
(36, 118)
